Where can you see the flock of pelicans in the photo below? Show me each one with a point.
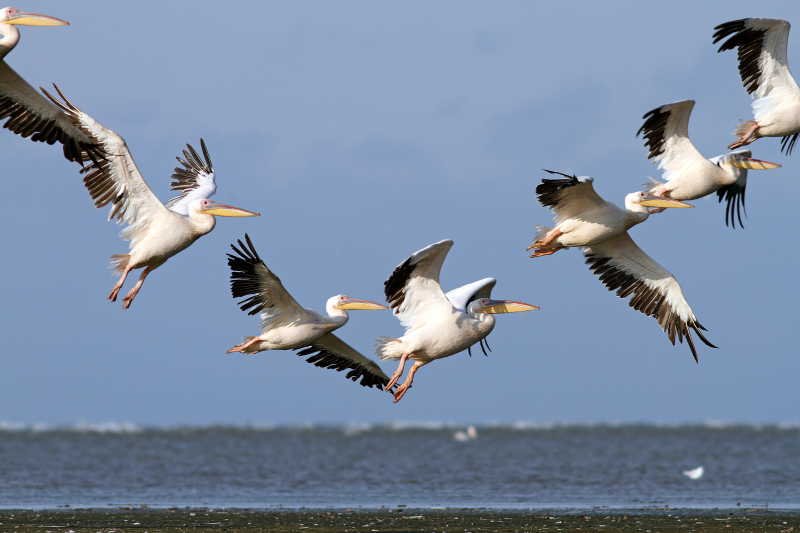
(438, 324)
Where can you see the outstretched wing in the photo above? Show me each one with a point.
(413, 291)
(666, 137)
(568, 197)
(329, 351)
(193, 180)
(30, 115)
(623, 267)
(114, 179)
(262, 290)
(763, 64)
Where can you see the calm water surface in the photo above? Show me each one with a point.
(506, 466)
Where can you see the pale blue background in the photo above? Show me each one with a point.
(363, 131)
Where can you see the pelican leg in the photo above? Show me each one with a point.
(245, 345)
(551, 235)
(747, 133)
(402, 389)
(397, 373)
(128, 300)
(539, 252)
(115, 291)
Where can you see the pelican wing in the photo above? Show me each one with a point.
(666, 136)
(461, 297)
(193, 180)
(568, 197)
(763, 64)
(734, 194)
(30, 115)
(114, 179)
(623, 267)
(329, 351)
(263, 290)
(413, 291)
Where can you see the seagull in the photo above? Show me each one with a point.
(585, 220)
(470, 434)
(437, 324)
(285, 325)
(688, 174)
(764, 68)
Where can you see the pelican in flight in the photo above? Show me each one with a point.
(764, 69)
(688, 174)
(29, 114)
(584, 219)
(285, 325)
(437, 324)
(156, 231)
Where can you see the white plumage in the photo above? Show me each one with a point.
(761, 45)
(156, 232)
(600, 228)
(437, 324)
(286, 325)
(687, 173)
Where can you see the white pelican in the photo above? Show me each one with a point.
(764, 69)
(437, 324)
(286, 325)
(29, 114)
(156, 231)
(687, 173)
(584, 219)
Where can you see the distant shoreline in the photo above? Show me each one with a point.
(399, 519)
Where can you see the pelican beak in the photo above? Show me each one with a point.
(225, 210)
(21, 18)
(359, 304)
(754, 164)
(655, 201)
(507, 306)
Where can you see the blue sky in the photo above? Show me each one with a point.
(363, 131)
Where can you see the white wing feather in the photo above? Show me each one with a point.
(413, 289)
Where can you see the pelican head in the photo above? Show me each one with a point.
(348, 303)
(11, 15)
(742, 159)
(646, 199)
(207, 207)
(493, 307)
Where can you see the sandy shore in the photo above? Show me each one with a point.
(396, 520)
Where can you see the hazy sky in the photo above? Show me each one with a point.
(364, 131)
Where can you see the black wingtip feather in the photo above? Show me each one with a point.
(244, 278)
(325, 359)
(548, 190)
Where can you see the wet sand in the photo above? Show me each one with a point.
(396, 520)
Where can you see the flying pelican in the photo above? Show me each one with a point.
(688, 174)
(156, 231)
(437, 324)
(29, 114)
(286, 325)
(584, 219)
(764, 69)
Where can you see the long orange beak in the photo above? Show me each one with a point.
(225, 210)
(22, 18)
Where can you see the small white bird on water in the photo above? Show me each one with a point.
(470, 434)
(694, 473)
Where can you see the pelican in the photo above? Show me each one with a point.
(286, 325)
(437, 324)
(29, 114)
(688, 174)
(584, 219)
(156, 231)
(764, 69)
